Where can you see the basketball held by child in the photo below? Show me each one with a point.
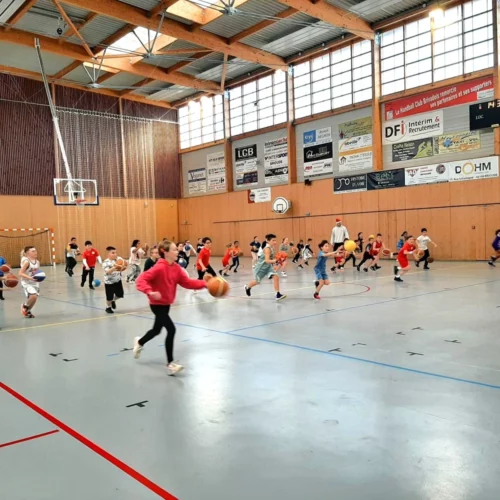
(218, 287)
(39, 276)
(350, 246)
(120, 264)
(11, 281)
(182, 262)
(386, 252)
(207, 277)
(5, 268)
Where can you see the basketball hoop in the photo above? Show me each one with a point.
(80, 203)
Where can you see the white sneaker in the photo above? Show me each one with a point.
(174, 368)
(284, 274)
(137, 348)
(195, 292)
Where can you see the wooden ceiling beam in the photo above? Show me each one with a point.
(78, 53)
(183, 64)
(263, 24)
(66, 70)
(79, 27)
(139, 17)
(72, 27)
(33, 75)
(20, 13)
(334, 16)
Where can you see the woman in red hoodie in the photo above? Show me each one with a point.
(160, 284)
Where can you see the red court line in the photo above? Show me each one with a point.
(94, 447)
(23, 440)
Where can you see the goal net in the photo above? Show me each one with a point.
(13, 241)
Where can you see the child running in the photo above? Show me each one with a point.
(377, 249)
(235, 252)
(203, 263)
(90, 257)
(320, 267)
(264, 268)
(423, 244)
(340, 255)
(136, 254)
(308, 252)
(404, 265)
(112, 280)
(367, 255)
(29, 267)
(496, 248)
(160, 285)
(2, 279)
(226, 260)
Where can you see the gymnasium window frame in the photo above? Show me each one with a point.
(461, 42)
(258, 104)
(338, 79)
(201, 121)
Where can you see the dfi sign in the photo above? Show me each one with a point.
(405, 129)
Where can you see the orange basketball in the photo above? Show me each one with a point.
(420, 253)
(11, 281)
(387, 252)
(430, 260)
(120, 264)
(207, 277)
(218, 287)
(5, 268)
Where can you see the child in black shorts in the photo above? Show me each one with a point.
(112, 280)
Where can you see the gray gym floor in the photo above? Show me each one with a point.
(380, 390)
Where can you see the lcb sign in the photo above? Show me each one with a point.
(246, 152)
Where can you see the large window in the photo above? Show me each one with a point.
(258, 104)
(452, 43)
(334, 80)
(201, 121)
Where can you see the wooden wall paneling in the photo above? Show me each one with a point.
(439, 229)
(391, 199)
(468, 230)
(167, 220)
(432, 195)
(491, 225)
(322, 199)
(369, 202)
(475, 192)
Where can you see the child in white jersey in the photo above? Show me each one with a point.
(29, 267)
(136, 254)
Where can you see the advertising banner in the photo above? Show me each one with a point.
(245, 166)
(355, 128)
(197, 181)
(261, 195)
(457, 142)
(276, 161)
(412, 150)
(444, 97)
(415, 127)
(216, 172)
(429, 174)
(356, 161)
(318, 152)
(386, 179)
(471, 170)
(349, 184)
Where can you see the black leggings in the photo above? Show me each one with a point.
(209, 271)
(366, 256)
(425, 258)
(353, 257)
(162, 319)
(70, 264)
(90, 274)
(235, 264)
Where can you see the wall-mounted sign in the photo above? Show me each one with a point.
(261, 195)
(484, 115)
(349, 184)
(444, 97)
(414, 127)
(245, 165)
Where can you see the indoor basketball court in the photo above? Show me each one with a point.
(302, 197)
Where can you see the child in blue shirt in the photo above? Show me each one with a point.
(496, 247)
(320, 267)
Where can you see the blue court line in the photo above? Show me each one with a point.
(358, 307)
(344, 356)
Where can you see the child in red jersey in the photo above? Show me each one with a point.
(404, 265)
(376, 251)
(90, 257)
(203, 262)
(160, 284)
(340, 255)
(226, 260)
